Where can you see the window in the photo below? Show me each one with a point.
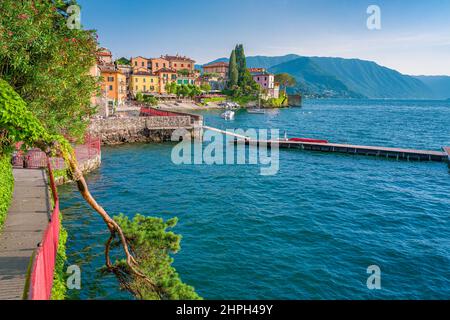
(135, 63)
(137, 88)
(157, 65)
(110, 88)
(137, 80)
(151, 80)
(145, 88)
(189, 65)
(164, 65)
(182, 65)
(152, 88)
(144, 80)
(110, 79)
(143, 64)
(175, 64)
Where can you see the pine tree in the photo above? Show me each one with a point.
(233, 70)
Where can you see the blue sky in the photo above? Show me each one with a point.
(414, 38)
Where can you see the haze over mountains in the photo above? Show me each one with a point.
(352, 78)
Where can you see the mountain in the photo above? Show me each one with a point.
(373, 80)
(338, 77)
(313, 80)
(440, 85)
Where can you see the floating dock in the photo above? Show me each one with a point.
(385, 152)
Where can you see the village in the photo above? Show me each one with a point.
(155, 81)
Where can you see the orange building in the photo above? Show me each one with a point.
(159, 63)
(219, 68)
(180, 62)
(113, 87)
(165, 76)
(140, 64)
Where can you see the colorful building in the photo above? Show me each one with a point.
(185, 80)
(165, 76)
(178, 62)
(144, 82)
(158, 63)
(140, 64)
(113, 87)
(266, 81)
(219, 68)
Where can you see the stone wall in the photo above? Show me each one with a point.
(114, 131)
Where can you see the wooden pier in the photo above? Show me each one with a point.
(385, 152)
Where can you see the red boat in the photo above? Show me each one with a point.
(308, 140)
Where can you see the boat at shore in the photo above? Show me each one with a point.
(228, 115)
(256, 111)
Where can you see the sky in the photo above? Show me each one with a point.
(414, 37)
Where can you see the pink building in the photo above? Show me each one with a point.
(266, 81)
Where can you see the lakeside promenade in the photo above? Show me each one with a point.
(24, 228)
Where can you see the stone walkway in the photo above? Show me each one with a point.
(24, 228)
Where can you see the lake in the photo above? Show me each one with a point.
(309, 232)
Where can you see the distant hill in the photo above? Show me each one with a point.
(313, 80)
(440, 85)
(338, 77)
(373, 80)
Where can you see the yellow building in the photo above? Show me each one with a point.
(144, 82)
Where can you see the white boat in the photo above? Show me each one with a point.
(256, 111)
(228, 115)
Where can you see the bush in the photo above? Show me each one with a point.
(6, 187)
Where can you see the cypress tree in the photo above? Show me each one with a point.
(233, 70)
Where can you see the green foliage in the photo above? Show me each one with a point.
(47, 63)
(151, 100)
(233, 74)
(184, 72)
(285, 80)
(241, 83)
(152, 246)
(206, 87)
(6, 186)
(281, 101)
(59, 281)
(139, 97)
(123, 61)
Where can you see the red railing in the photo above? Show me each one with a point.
(150, 112)
(43, 268)
(35, 158)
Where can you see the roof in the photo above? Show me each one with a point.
(177, 57)
(148, 74)
(262, 74)
(216, 64)
(167, 70)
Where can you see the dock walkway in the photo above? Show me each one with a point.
(25, 225)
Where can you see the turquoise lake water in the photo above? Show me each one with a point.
(309, 232)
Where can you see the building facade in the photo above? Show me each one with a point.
(113, 88)
(266, 81)
(165, 76)
(219, 68)
(144, 82)
(178, 62)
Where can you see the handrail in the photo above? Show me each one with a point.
(43, 268)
